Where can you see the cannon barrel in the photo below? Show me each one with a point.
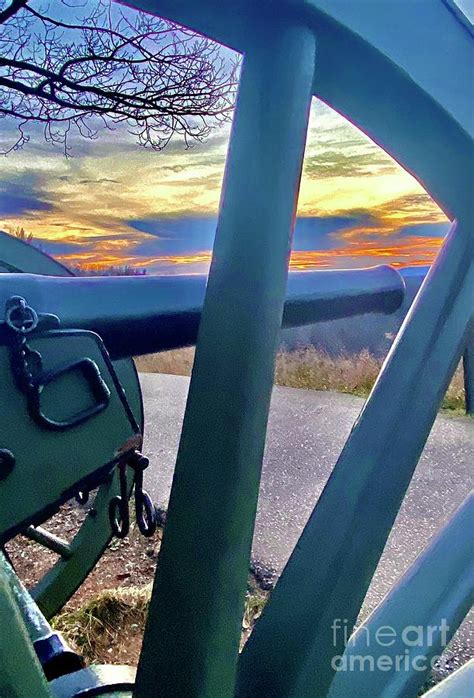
(141, 315)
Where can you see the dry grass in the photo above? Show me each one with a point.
(177, 363)
(312, 369)
(309, 368)
(109, 627)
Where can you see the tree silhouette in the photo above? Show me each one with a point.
(73, 69)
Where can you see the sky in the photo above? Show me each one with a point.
(115, 203)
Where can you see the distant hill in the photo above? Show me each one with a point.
(352, 335)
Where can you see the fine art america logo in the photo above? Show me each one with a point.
(386, 648)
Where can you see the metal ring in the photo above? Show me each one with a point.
(118, 517)
(29, 317)
(146, 515)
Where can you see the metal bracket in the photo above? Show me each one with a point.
(91, 373)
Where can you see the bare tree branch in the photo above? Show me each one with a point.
(11, 10)
(110, 67)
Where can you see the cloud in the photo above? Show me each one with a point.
(394, 215)
(322, 232)
(22, 195)
(173, 235)
(408, 251)
(99, 180)
(327, 164)
(190, 234)
(115, 203)
(432, 230)
(178, 246)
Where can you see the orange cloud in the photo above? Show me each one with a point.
(389, 217)
(100, 194)
(409, 251)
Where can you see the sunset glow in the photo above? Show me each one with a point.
(114, 203)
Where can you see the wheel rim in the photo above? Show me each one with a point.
(79, 557)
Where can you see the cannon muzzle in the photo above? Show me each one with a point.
(141, 315)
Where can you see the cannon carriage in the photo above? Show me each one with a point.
(71, 417)
(158, 314)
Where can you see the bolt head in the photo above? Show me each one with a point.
(7, 463)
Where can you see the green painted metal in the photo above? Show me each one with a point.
(290, 651)
(75, 458)
(19, 256)
(114, 681)
(458, 685)
(193, 630)
(164, 313)
(419, 617)
(21, 674)
(88, 545)
(36, 624)
(69, 572)
(55, 656)
(192, 636)
(64, 578)
(468, 368)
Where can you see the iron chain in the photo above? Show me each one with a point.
(26, 362)
(145, 513)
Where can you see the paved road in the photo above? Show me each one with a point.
(307, 430)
